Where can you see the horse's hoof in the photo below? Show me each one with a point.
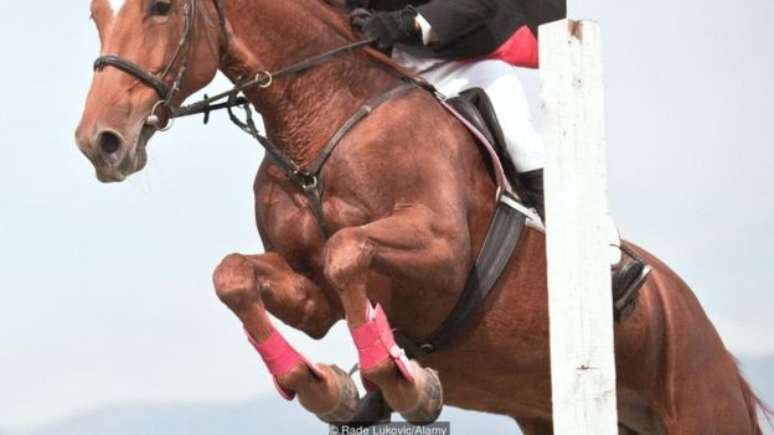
(373, 410)
(430, 401)
(349, 399)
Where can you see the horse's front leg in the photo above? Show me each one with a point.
(249, 285)
(414, 242)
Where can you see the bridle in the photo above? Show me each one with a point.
(183, 51)
(181, 55)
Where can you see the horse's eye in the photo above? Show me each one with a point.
(161, 8)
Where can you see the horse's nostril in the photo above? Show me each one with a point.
(109, 142)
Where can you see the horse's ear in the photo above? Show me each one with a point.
(102, 14)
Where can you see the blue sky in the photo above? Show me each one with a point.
(106, 296)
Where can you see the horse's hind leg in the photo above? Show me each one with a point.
(412, 242)
(249, 285)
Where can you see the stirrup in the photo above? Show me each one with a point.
(627, 282)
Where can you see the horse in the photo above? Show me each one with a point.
(407, 201)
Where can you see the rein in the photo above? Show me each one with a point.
(167, 92)
(209, 104)
(263, 80)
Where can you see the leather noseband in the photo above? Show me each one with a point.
(134, 70)
(156, 81)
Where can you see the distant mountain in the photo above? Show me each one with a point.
(270, 415)
(275, 416)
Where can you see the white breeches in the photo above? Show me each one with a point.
(503, 86)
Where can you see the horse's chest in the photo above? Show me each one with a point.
(288, 224)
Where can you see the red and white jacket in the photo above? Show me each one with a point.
(478, 29)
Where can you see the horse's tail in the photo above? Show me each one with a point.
(754, 404)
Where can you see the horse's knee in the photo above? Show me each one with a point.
(347, 256)
(235, 282)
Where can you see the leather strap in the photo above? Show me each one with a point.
(266, 78)
(315, 191)
(353, 120)
(501, 240)
(502, 181)
(134, 70)
(224, 38)
(309, 180)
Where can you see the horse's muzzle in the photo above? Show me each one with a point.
(114, 158)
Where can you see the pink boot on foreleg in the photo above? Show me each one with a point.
(286, 365)
(350, 255)
(376, 345)
(280, 359)
(242, 283)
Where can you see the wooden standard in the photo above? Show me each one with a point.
(580, 300)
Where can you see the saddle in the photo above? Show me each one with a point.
(474, 104)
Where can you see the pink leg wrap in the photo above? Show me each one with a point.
(280, 358)
(375, 344)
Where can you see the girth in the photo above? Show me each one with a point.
(500, 242)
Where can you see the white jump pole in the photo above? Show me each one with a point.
(579, 295)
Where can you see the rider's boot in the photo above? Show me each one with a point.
(628, 274)
(533, 184)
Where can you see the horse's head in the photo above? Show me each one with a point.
(155, 53)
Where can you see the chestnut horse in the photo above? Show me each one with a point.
(408, 199)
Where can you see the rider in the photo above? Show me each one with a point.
(461, 44)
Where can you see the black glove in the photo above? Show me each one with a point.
(356, 4)
(387, 28)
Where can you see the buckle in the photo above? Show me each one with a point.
(307, 181)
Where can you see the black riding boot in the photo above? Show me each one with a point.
(628, 275)
(533, 184)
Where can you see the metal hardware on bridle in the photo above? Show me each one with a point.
(156, 81)
(308, 182)
(154, 120)
(263, 80)
(266, 76)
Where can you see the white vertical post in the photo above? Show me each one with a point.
(579, 296)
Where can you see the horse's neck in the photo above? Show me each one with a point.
(300, 112)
